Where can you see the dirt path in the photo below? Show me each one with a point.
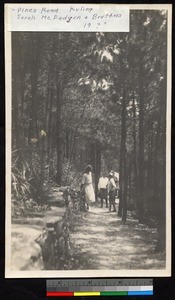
(101, 241)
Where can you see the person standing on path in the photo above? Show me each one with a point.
(87, 187)
(102, 187)
(116, 179)
(112, 191)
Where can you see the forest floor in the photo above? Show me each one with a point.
(100, 240)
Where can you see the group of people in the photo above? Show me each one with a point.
(108, 188)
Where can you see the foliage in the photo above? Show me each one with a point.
(21, 187)
(97, 98)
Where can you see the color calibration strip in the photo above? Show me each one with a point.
(99, 287)
(110, 293)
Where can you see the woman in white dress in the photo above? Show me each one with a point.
(87, 187)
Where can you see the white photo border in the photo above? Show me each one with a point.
(88, 273)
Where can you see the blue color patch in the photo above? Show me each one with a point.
(140, 293)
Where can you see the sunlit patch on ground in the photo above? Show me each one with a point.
(100, 240)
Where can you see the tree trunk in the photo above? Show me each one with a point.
(49, 129)
(59, 139)
(141, 146)
(95, 159)
(98, 167)
(50, 96)
(122, 178)
(135, 151)
(33, 126)
(17, 99)
(125, 177)
(150, 175)
(129, 181)
(125, 188)
(161, 170)
(67, 143)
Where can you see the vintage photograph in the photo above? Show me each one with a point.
(90, 155)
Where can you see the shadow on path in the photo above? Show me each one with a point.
(100, 240)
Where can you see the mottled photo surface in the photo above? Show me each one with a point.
(90, 141)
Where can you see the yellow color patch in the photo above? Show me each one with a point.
(87, 294)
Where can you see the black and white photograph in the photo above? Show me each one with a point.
(88, 147)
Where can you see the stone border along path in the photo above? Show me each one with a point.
(41, 242)
(100, 240)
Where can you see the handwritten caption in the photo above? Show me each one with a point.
(69, 17)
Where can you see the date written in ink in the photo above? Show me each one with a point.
(88, 25)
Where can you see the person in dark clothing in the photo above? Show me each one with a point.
(102, 187)
(112, 191)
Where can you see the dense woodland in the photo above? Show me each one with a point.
(98, 98)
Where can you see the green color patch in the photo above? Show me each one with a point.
(113, 293)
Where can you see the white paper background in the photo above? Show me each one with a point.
(68, 17)
(24, 26)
